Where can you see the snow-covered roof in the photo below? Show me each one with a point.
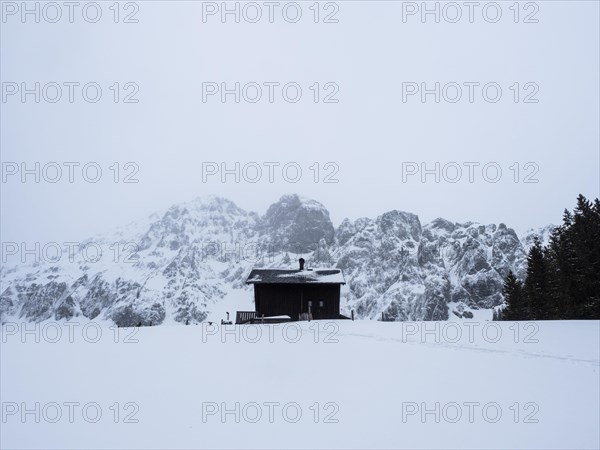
(284, 276)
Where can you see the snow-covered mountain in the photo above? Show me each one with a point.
(543, 234)
(181, 265)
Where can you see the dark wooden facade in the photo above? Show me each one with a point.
(300, 294)
(321, 300)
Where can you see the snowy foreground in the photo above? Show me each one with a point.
(338, 384)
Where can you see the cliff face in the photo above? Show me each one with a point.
(178, 266)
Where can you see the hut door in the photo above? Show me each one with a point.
(318, 309)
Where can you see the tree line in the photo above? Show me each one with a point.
(563, 277)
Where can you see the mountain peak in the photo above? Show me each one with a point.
(212, 203)
(298, 222)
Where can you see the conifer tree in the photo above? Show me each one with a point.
(513, 294)
(536, 284)
(563, 278)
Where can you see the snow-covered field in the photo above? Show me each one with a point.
(340, 384)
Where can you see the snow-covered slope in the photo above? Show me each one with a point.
(543, 234)
(183, 264)
(343, 384)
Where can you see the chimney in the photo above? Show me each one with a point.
(301, 261)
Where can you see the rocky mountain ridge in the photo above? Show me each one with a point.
(179, 265)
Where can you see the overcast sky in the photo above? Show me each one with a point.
(368, 136)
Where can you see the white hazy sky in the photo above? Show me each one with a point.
(369, 133)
